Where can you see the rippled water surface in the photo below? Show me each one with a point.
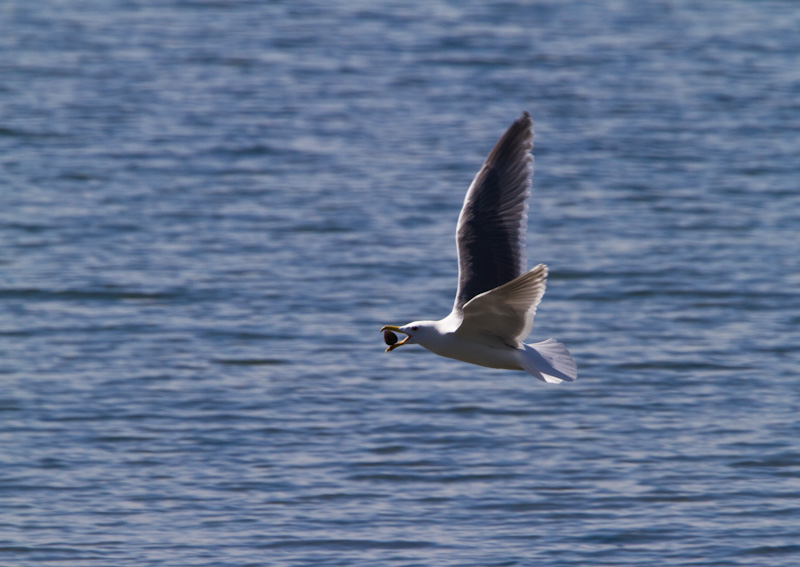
(208, 209)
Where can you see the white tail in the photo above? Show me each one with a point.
(548, 361)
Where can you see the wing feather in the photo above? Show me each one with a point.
(506, 312)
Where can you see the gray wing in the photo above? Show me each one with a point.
(491, 227)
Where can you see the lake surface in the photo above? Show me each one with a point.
(209, 209)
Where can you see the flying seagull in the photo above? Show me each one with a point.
(496, 298)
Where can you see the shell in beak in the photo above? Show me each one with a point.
(391, 339)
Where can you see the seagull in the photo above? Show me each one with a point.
(496, 297)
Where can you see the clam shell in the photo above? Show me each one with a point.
(389, 337)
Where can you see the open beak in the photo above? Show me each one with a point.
(396, 330)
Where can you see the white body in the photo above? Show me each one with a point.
(489, 330)
(490, 351)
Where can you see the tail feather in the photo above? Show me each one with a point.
(548, 361)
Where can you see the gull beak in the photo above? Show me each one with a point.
(396, 330)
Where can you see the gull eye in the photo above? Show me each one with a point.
(415, 328)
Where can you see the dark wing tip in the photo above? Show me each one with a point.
(525, 120)
(517, 140)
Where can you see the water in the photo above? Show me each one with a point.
(208, 210)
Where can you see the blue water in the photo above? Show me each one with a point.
(208, 209)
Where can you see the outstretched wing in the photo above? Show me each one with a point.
(491, 227)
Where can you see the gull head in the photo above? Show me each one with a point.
(414, 333)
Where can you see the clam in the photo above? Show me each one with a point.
(389, 337)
